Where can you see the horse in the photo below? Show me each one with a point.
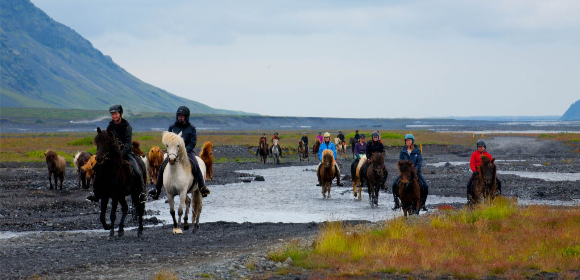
(178, 180)
(56, 165)
(352, 143)
(486, 184)
(263, 150)
(275, 152)
(327, 172)
(80, 159)
(135, 148)
(88, 168)
(115, 180)
(207, 156)
(340, 148)
(356, 179)
(302, 151)
(409, 189)
(374, 177)
(155, 158)
(316, 146)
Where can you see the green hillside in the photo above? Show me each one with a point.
(573, 113)
(45, 64)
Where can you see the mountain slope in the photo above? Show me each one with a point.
(573, 113)
(45, 64)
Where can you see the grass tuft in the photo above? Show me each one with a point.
(164, 275)
(85, 141)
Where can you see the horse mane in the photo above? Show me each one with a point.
(407, 166)
(76, 160)
(378, 157)
(135, 148)
(50, 154)
(206, 149)
(318, 141)
(171, 139)
(327, 155)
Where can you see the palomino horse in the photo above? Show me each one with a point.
(275, 152)
(207, 156)
(340, 148)
(155, 159)
(356, 179)
(486, 184)
(263, 150)
(409, 189)
(327, 172)
(352, 143)
(178, 180)
(81, 158)
(115, 179)
(316, 146)
(375, 176)
(56, 165)
(302, 151)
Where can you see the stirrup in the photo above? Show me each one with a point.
(205, 191)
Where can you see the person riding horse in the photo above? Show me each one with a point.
(411, 153)
(319, 137)
(189, 135)
(341, 137)
(356, 136)
(373, 146)
(327, 145)
(123, 134)
(475, 162)
(305, 140)
(263, 138)
(277, 146)
(360, 148)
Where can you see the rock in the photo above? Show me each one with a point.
(259, 178)
(447, 164)
(247, 181)
(288, 261)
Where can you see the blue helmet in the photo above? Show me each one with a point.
(410, 136)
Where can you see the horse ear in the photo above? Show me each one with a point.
(179, 133)
(99, 129)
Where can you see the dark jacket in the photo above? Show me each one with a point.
(124, 134)
(305, 140)
(356, 137)
(188, 133)
(374, 147)
(360, 149)
(341, 137)
(416, 158)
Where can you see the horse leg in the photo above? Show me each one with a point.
(124, 211)
(50, 179)
(185, 217)
(104, 203)
(171, 201)
(182, 197)
(196, 209)
(113, 216)
(61, 177)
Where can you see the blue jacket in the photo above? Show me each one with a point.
(323, 147)
(416, 158)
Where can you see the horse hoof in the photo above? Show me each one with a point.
(121, 233)
(186, 227)
(107, 227)
(177, 231)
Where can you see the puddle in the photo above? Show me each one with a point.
(546, 176)
(454, 163)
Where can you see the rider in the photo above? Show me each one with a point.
(411, 153)
(189, 135)
(263, 138)
(341, 137)
(278, 146)
(475, 162)
(305, 140)
(356, 136)
(360, 149)
(319, 137)
(374, 146)
(327, 145)
(123, 133)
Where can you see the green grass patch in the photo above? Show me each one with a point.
(85, 141)
(146, 137)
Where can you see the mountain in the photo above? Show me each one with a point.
(45, 64)
(573, 113)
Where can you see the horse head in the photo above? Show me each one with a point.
(378, 162)
(175, 146)
(407, 170)
(51, 158)
(487, 170)
(106, 145)
(327, 158)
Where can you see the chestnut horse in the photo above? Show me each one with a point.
(56, 165)
(327, 172)
(263, 150)
(88, 168)
(409, 189)
(135, 148)
(155, 159)
(316, 146)
(207, 156)
(375, 176)
(302, 151)
(486, 184)
(81, 158)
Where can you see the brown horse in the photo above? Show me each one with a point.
(486, 184)
(155, 159)
(135, 148)
(89, 167)
(207, 156)
(316, 146)
(56, 165)
(302, 151)
(375, 176)
(81, 158)
(327, 172)
(409, 189)
(263, 150)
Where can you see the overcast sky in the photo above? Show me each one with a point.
(333, 58)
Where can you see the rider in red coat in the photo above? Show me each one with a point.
(475, 162)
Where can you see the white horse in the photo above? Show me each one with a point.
(275, 152)
(178, 180)
(340, 148)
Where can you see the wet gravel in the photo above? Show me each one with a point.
(66, 240)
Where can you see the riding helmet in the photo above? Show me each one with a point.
(362, 135)
(116, 108)
(340, 131)
(326, 134)
(356, 131)
(183, 110)
(276, 133)
(376, 134)
(481, 143)
(410, 136)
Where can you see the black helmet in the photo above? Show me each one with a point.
(481, 143)
(357, 131)
(183, 110)
(376, 134)
(116, 108)
(362, 135)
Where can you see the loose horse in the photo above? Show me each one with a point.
(81, 158)
(178, 180)
(327, 172)
(56, 166)
(356, 179)
(409, 189)
(375, 176)
(115, 180)
(486, 184)
(340, 148)
(155, 160)
(302, 151)
(263, 150)
(88, 168)
(316, 146)
(275, 152)
(135, 148)
(207, 156)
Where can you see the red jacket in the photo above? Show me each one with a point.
(476, 160)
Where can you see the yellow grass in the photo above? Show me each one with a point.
(498, 239)
(164, 275)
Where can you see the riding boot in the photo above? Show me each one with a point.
(156, 191)
(423, 207)
(199, 178)
(498, 182)
(397, 204)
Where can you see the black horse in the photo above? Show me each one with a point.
(115, 179)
